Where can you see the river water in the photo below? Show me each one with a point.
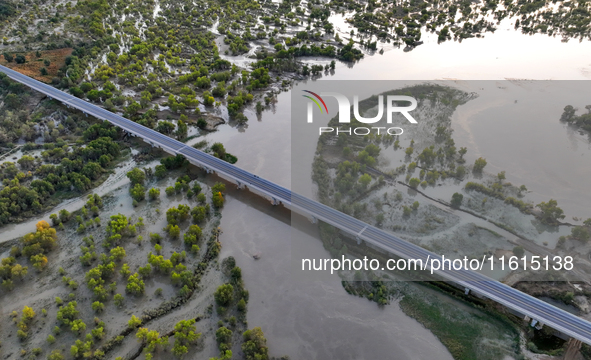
(305, 319)
(318, 319)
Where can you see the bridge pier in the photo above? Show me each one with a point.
(275, 202)
(466, 291)
(358, 236)
(313, 219)
(207, 170)
(239, 185)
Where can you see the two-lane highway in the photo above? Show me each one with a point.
(512, 298)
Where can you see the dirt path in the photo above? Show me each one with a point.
(573, 350)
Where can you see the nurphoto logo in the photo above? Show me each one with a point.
(392, 106)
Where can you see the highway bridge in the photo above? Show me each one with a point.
(536, 309)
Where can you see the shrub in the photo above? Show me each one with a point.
(224, 294)
(119, 300)
(456, 200)
(479, 165)
(154, 193)
(414, 183)
(518, 251)
(98, 306)
(134, 322)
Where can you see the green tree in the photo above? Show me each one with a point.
(174, 231)
(580, 233)
(55, 219)
(119, 300)
(155, 238)
(134, 322)
(223, 337)
(78, 326)
(98, 333)
(138, 192)
(462, 152)
(160, 171)
(26, 162)
(236, 274)
(124, 270)
(193, 235)
(364, 180)
(518, 251)
(551, 213)
(64, 215)
(406, 211)
(165, 127)
(118, 224)
(154, 193)
(198, 213)
(39, 261)
(181, 131)
(135, 285)
(218, 150)
(460, 172)
(218, 187)
(118, 253)
(12, 101)
(179, 350)
(456, 200)
(414, 182)
(185, 334)
(98, 306)
(39, 242)
(56, 355)
(217, 200)
(136, 176)
(224, 294)
(241, 306)
(255, 345)
(28, 314)
(479, 165)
